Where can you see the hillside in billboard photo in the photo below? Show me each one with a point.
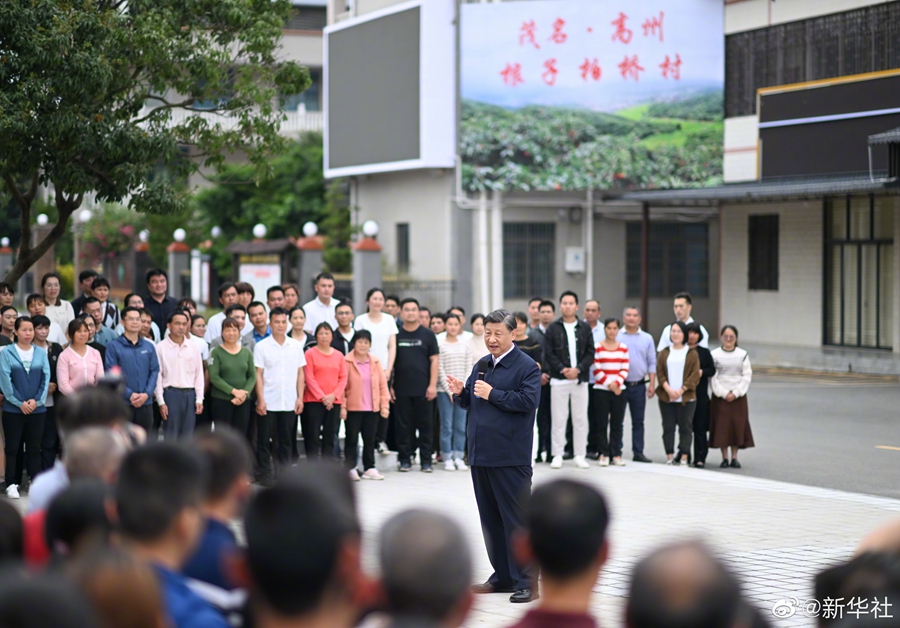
(577, 94)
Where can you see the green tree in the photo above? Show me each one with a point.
(337, 229)
(93, 97)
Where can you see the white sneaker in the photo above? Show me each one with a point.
(449, 466)
(12, 491)
(604, 461)
(372, 474)
(581, 463)
(354, 475)
(557, 462)
(684, 462)
(669, 462)
(460, 465)
(618, 462)
(383, 448)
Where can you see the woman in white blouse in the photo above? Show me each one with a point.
(729, 417)
(58, 310)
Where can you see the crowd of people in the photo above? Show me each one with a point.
(267, 368)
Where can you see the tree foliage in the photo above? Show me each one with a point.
(93, 95)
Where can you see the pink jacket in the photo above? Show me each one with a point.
(381, 398)
(73, 372)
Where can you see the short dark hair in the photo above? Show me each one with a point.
(175, 313)
(443, 317)
(713, 594)
(323, 325)
(74, 325)
(100, 282)
(566, 522)
(243, 287)
(40, 321)
(91, 300)
(446, 317)
(21, 320)
(680, 325)
(12, 533)
(91, 406)
(322, 276)
(234, 307)
(183, 302)
(503, 317)
(392, 297)
(732, 328)
(272, 289)
(696, 328)
(87, 274)
(533, 299)
(197, 317)
(548, 303)
(41, 602)
(31, 298)
(409, 300)
(683, 295)
(7, 308)
(295, 308)
(422, 308)
(475, 317)
(131, 309)
(870, 574)
(612, 319)
(343, 303)
(7, 287)
(145, 312)
(78, 514)
(278, 311)
(129, 297)
(457, 307)
(156, 483)
(295, 532)
(230, 322)
(361, 334)
(254, 304)
(522, 317)
(568, 293)
(227, 456)
(225, 286)
(156, 272)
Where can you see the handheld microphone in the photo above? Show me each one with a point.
(483, 365)
(480, 376)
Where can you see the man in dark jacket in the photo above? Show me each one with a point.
(501, 396)
(569, 354)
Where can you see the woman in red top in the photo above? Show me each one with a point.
(326, 377)
(610, 371)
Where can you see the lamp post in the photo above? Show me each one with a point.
(79, 221)
(366, 262)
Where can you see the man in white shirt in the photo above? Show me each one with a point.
(180, 385)
(227, 296)
(321, 309)
(682, 307)
(280, 384)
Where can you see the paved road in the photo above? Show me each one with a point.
(817, 430)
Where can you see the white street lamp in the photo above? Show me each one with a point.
(370, 228)
(42, 219)
(310, 229)
(259, 231)
(179, 235)
(216, 231)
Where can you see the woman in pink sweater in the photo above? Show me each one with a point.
(326, 377)
(79, 365)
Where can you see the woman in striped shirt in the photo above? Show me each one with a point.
(610, 371)
(729, 417)
(455, 359)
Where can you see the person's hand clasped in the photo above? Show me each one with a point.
(328, 400)
(614, 388)
(483, 389)
(730, 397)
(455, 385)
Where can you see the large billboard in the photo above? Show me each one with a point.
(577, 94)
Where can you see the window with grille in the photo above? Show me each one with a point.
(528, 259)
(678, 259)
(307, 19)
(308, 97)
(763, 252)
(842, 44)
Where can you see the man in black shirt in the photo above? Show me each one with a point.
(158, 302)
(85, 280)
(414, 385)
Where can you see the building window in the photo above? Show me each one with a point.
(678, 259)
(763, 252)
(307, 19)
(403, 248)
(529, 250)
(859, 267)
(308, 98)
(840, 44)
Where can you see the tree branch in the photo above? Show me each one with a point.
(24, 203)
(27, 257)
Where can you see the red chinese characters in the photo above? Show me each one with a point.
(550, 72)
(558, 35)
(590, 69)
(671, 68)
(630, 68)
(654, 25)
(527, 34)
(622, 33)
(512, 74)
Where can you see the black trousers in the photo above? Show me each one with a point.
(500, 493)
(18, 429)
(681, 416)
(365, 423)
(543, 421)
(318, 425)
(701, 427)
(610, 410)
(223, 412)
(49, 440)
(276, 425)
(143, 417)
(414, 413)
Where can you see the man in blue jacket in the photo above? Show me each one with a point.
(136, 358)
(501, 396)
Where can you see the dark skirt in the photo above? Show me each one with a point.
(729, 424)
